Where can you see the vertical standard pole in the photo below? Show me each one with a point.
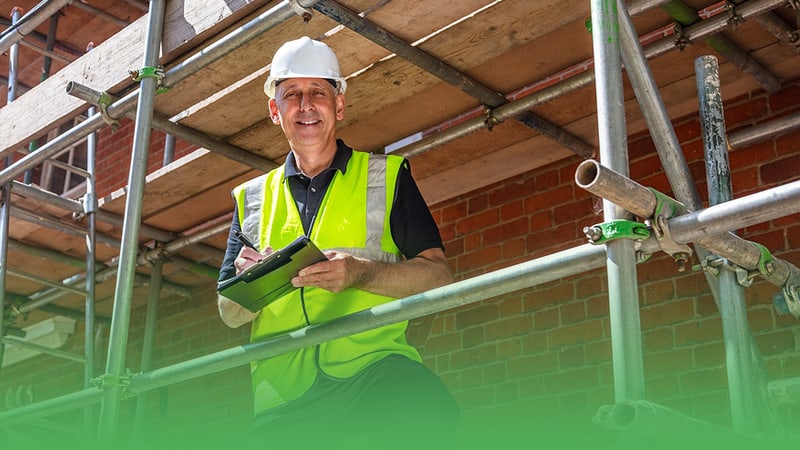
(150, 328)
(123, 294)
(626, 339)
(90, 208)
(735, 328)
(50, 44)
(5, 208)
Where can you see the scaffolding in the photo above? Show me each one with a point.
(730, 263)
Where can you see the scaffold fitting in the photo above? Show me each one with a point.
(681, 41)
(616, 229)
(109, 380)
(156, 72)
(791, 294)
(489, 119)
(103, 103)
(302, 11)
(734, 18)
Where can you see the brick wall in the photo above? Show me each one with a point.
(538, 353)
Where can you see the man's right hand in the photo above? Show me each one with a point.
(247, 257)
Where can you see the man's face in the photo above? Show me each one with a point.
(307, 110)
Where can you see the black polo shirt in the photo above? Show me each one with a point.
(413, 227)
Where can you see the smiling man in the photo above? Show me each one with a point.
(367, 214)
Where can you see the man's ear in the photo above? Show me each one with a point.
(340, 107)
(273, 111)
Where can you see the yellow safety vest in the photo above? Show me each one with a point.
(354, 218)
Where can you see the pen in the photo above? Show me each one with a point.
(244, 240)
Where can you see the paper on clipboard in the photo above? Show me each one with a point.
(271, 278)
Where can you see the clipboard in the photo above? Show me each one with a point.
(271, 278)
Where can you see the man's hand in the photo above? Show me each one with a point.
(247, 257)
(338, 273)
(425, 271)
(233, 314)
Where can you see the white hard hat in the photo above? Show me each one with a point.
(304, 58)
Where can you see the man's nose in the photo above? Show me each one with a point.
(306, 104)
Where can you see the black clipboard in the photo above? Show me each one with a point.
(271, 278)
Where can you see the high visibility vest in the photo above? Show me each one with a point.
(353, 217)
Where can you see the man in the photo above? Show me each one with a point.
(365, 211)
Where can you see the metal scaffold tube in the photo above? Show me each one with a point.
(264, 22)
(123, 294)
(90, 209)
(626, 341)
(709, 227)
(29, 22)
(520, 276)
(748, 408)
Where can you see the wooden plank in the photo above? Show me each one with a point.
(355, 53)
(106, 67)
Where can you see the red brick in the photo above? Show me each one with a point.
(579, 333)
(572, 312)
(534, 343)
(645, 167)
(512, 210)
(541, 221)
(571, 357)
(667, 313)
(477, 204)
(475, 356)
(781, 170)
(658, 292)
(701, 331)
(788, 144)
(478, 259)
(688, 131)
(532, 365)
(477, 222)
(785, 99)
(509, 349)
(549, 295)
(545, 319)
(589, 287)
(476, 315)
(694, 382)
(571, 380)
(745, 180)
(473, 336)
(639, 148)
(513, 326)
(495, 373)
(546, 180)
(672, 361)
(750, 156)
(514, 250)
(505, 231)
(710, 355)
(472, 242)
(546, 199)
(511, 191)
(453, 213)
(662, 387)
(747, 112)
(776, 342)
(472, 377)
(658, 339)
(573, 211)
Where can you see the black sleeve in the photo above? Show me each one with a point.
(227, 269)
(413, 227)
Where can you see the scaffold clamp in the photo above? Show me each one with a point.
(489, 119)
(681, 41)
(681, 253)
(616, 229)
(156, 72)
(302, 11)
(109, 380)
(791, 293)
(103, 103)
(734, 18)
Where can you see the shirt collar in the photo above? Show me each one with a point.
(340, 160)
